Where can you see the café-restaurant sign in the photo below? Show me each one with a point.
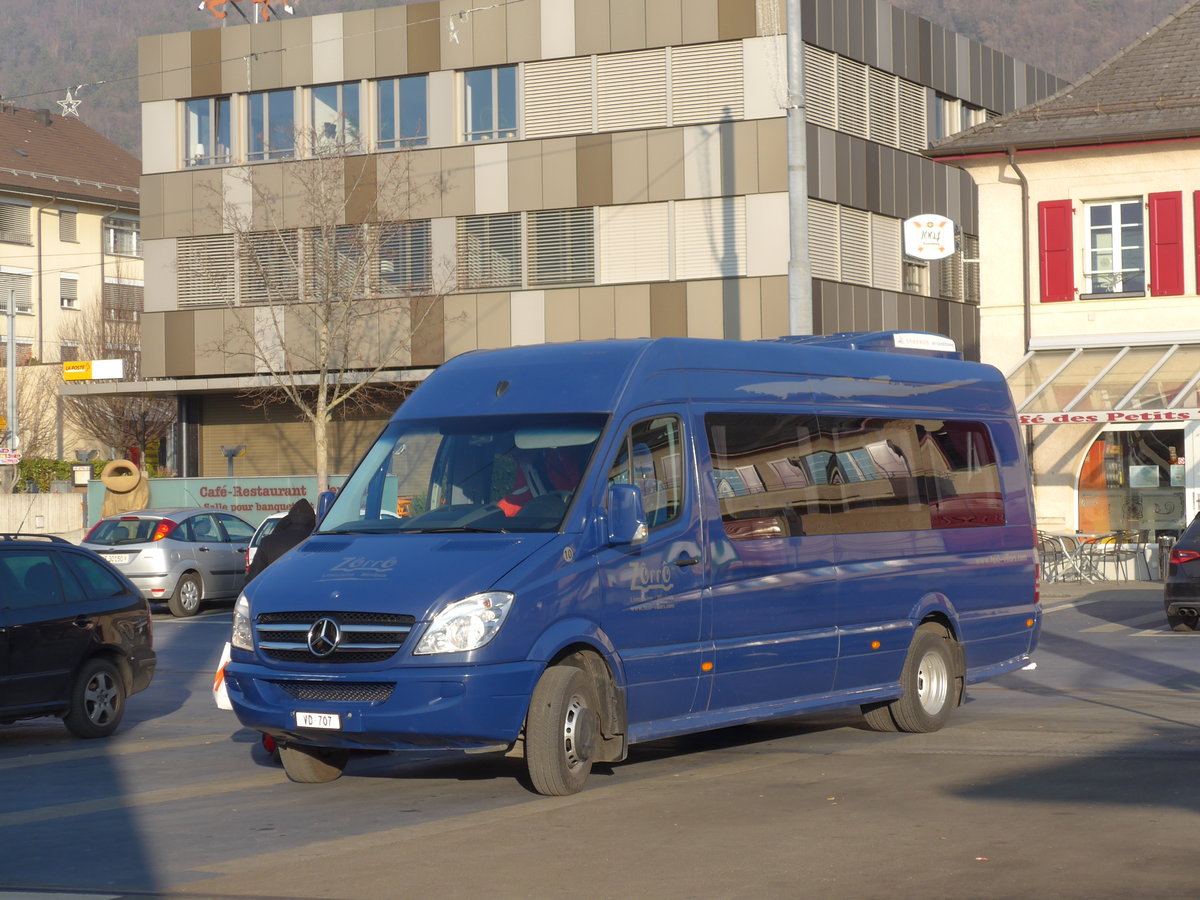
(1111, 417)
(928, 237)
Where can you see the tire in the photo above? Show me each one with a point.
(1183, 623)
(97, 701)
(930, 684)
(312, 765)
(186, 599)
(561, 731)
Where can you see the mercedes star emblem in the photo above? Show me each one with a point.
(324, 636)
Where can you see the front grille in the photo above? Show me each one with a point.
(337, 692)
(365, 637)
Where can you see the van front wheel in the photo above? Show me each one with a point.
(561, 731)
(930, 684)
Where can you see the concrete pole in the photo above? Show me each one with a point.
(800, 311)
(11, 360)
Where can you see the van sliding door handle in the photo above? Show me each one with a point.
(684, 560)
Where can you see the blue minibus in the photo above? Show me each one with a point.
(557, 551)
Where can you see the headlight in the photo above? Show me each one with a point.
(242, 638)
(466, 624)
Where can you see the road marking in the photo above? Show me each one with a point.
(1139, 622)
(140, 799)
(127, 748)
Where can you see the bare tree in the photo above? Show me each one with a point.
(333, 277)
(36, 419)
(111, 329)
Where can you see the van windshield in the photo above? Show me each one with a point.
(468, 474)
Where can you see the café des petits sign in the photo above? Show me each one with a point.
(1113, 417)
(928, 237)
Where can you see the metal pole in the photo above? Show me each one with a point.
(800, 308)
(11, 360)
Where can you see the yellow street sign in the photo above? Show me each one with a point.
(78, 370)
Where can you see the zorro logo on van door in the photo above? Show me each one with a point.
(647, 582)
(360, 568)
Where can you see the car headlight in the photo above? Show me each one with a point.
(466, 624)
(242, 637)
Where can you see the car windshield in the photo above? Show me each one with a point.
(123, 531)
(477, 474)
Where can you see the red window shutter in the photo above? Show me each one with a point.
(1056, 253)
(1166, 244)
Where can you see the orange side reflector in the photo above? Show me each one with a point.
(706, 667)
(1029, 623)
(875, 645)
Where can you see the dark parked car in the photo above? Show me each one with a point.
(177, 556)
(75, 635)
(1181, 593)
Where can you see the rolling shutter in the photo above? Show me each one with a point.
(1166, 244)
(558, 97)
(1056, 255)
(706, 83)
(205, 267)
(710, 238)
(820, 86)
(631, 90)
(634, 243)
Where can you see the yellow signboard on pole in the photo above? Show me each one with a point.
(90, 369)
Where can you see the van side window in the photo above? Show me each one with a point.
(779, 475)
(651, 457)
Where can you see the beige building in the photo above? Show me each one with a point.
(1089, 241)
(70, 244)
(584, 168)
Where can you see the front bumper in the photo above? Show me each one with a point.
(468, 708)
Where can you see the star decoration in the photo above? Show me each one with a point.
(70, 106)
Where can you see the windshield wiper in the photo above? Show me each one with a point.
(457, 529)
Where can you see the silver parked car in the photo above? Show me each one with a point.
(180, 556)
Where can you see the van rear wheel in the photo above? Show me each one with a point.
(930, 684)
(561, 731)
(313, 765)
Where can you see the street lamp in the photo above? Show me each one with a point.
(231, 452)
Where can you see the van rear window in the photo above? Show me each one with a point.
(781, 475)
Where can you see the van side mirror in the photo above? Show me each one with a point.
(324, 501)
(626, 516)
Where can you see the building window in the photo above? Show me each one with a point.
(122, 298)
(403, 265)
(490, 104)
(122, 237)
(1116, 247)
(14, 224)
(489, 251)
(562, 246)
(916, 277)
(68, 351)
(403, 112)
(206, 132)
(66, 226)
(68, 291)
(272, 132)
(1133, 481)
(18, 286)
(24, 351)
(335, 118)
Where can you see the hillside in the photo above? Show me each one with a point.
(53, 44)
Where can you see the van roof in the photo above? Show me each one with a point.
(595, 376)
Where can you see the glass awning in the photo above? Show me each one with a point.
(1108, 384)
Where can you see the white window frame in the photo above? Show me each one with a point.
(495, 132)
(114, 225)
(347, 136)
(68, 299)
(215, 149)
(399, 141)
(259, 147)
(1112, 278)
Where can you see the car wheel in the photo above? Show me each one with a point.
(97, 702)
(186, 599)
(1183, 623)
(312, 765)
(930, 684)
(561, 731)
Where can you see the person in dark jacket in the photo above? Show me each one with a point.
(294, 527)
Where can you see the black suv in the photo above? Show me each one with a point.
(75, 635)
(1181, 593)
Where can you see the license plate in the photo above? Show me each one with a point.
(117, 558)
(328, 721)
